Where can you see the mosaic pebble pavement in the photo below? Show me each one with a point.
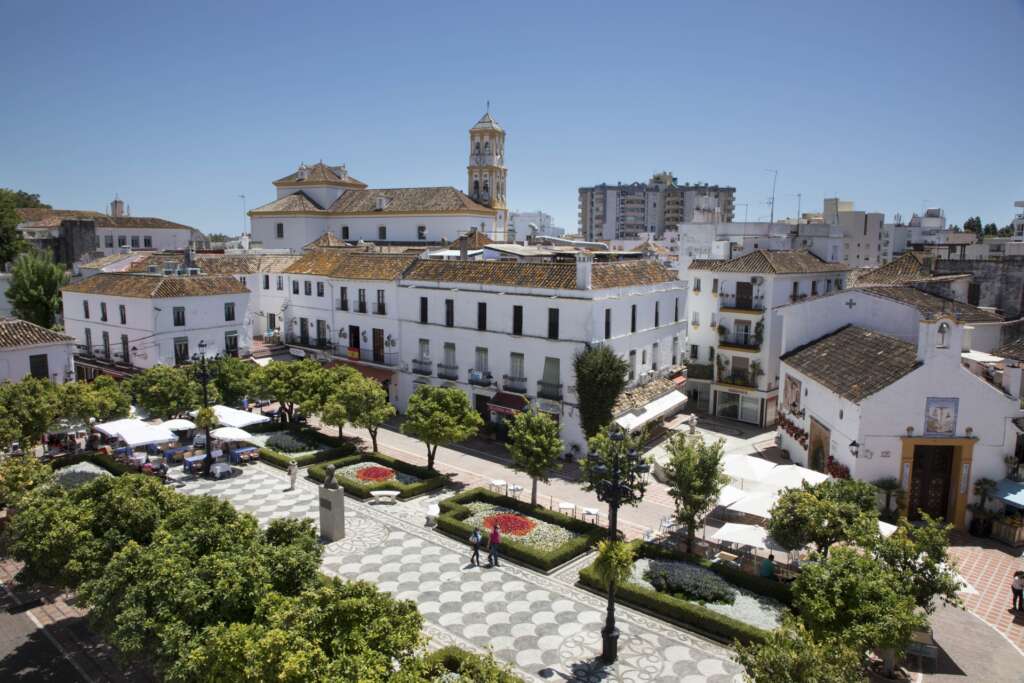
(544, 626)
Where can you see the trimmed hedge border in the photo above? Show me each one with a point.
(453, 657)
(335, 447)
(429, 480)
(103, 460)
(688, 613)
(453, 511)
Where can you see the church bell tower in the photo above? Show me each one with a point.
(486, 173)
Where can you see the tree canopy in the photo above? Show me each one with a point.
(600, 378)
(919, 554)
(695, 477)
(11, 243)
(103, 399)
(792, 654)
(535, 447)
(164, 391)
(35, 287)
(366, 404)
(233, 378)
(292, 384)
(823, 514)
(439, 416)
(28, 409)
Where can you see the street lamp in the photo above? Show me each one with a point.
(204, 373)
(618, 478)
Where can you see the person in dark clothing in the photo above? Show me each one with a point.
(1017, 588)
(476, 539)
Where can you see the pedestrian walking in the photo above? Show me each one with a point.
(492, 548)
(476, 539)
(293, 474)
(1017, 588)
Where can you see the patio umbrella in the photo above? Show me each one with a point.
(136, 432)
(791, 477)
(178, 424)
(746, 534)
(232, 417)
(756, 504)
(231, 434)
(729, 495)
(745, 467)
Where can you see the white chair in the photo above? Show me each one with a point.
(498, 484)
(433, 510)
(514, 490)
(648, 534)
(567, 508)
(591, 512)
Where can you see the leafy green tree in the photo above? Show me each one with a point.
(834, 510)
(233, 378)
(990, 230)
(103, 399)
(850, 597)
(614, 563)
(973, 225)
(29, 408)
(695, 477)
(366, 404)
(439, 416)
(35, 287)
(600, 378)
(535, 447)
(11, 243)
(18, 476)
(792, 654)
(20, 199)
(335, 412)
(438, 666)
(164, 391)
(292, 383)
(206, 419)
(293, 550)
(919, 554)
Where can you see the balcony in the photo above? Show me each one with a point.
(744, 341)
(481, 378)
(549, 390)
(320, 343)
(360, 307)
(738, 378)
(388, 358)
(448, 371)
(380, 309)
(516, 385)
(422, 366)
(700, 371)
(730, 303)
(342, 304)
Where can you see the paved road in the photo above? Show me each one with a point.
(26, 654)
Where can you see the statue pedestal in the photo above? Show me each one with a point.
(332, 514)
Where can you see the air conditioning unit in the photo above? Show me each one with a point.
(193, 271)
(756, 280)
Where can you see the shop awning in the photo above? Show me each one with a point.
(507, 403)
(1010, 492)
(379, 374)
(659, 407)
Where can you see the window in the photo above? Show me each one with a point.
(266, 282)
(39, 366)
(449, 313)
(654, 356)
(381, 309)
(796, 289)
(319, 289)
(657, 313)
(632, 318)
(361, 301)
(124, 349)
(675, 311)
(179, 316)
(135, 241)
(421, 232)
(943, 332)
(481, 315)
(85, 308)
(552, 323)
(643, 357)
(632, 365)
(280, 283)
(480, 361)
(242, 280)
(106, 345)
(517, 320)
(694, 351)
(103, 311)
(517, 365)
(814, 287)
(122, 310)
(229, 311)
(344, 232)
(382, 232)
(180, 350)
(423, 309)
(307, 288)
(147, 242)
(231, 343)
(828, 286)
(343, 299)
(108, 241)
(696, 318)
(711, 353)
(714, 286)
(88, 341)
(607, 323)
(280, 231)
(449, 354)
(696, 284)
(839, 283)
(295, 286)
(122, 240)
(424, 349)
(675, 350)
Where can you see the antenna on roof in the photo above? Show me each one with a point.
(488, 106)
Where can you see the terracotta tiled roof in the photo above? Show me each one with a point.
(51, 218)
(776, 262)
(649, 247)
(854, 362)
(110, 259)
(932, 306)
(321, 174)
(142, 286)
(407, 200)
(910, 267)
(640, 396)
(295, 202)
(15, 332)
(220, 264)
(543, 274)
(345, 265)
(328, 239)
(1013, 350)
(473, 240)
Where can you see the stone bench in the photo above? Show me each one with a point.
(385, 496)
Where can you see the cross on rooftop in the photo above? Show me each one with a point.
(851, 303)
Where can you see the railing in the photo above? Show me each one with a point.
(380, 309)
(360, 307)
(389, 358)
(549, 390)
(481, 378)
(740, 304)
(342, 304)
(447, 371)
(322, 343)
(422, 367)
(514, 384)
(739, 379)
(740, 340)
(700, 371)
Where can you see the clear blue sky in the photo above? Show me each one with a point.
(181, 107)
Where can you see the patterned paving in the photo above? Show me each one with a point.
(988, 567)
(543, 625)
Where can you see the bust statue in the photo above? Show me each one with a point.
(329, 482)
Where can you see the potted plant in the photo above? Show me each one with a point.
(891, 489)
(981, 516)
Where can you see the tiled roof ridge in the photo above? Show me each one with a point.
(15, 333)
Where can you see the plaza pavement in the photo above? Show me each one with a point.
(543, 625)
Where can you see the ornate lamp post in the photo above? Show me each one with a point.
(619, 477)
(204, 373)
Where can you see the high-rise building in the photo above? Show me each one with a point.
(608, 212)
(525, 224)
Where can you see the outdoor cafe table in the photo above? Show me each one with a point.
(192, 461)
(138, 459)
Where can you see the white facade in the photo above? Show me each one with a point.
(51, 361)
(293, 232)
(113, 240)
(732, 240)
(519, 224)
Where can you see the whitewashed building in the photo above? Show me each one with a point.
(29, 350)
(126, 321)
(735, 335)
(733, 240)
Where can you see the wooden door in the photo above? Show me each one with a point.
(818, 444)
(930, 483)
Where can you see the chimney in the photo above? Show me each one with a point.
(464, 246)
(116, 207)
(584, 270)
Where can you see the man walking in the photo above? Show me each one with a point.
(1017, 588)
(475, 539)
(492, 549)
(293, 474)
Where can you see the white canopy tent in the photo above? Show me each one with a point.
(729, 495)
(232, 417)
(231, 434)
(791, 477)
(746, 534)
(659, 407)
(178, 424)
(746, 467)
(755, 503)
(136, 432)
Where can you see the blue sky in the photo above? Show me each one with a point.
(181, 107)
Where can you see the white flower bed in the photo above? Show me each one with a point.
(544, 535)
(261, 439)
(748, 607)
(73, 476)
(352, 472)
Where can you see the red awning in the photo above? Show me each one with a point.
(507, 404)
(379, 374)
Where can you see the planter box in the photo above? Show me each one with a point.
(1009, 534)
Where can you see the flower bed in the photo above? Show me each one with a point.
(409, 480)
(321, 447)
(533, 535)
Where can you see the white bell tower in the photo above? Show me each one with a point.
(486, 173)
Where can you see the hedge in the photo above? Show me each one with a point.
(454, 659)
(103, 460)
(429, 480)
(453, 511)
(335, 447)
(688, 612)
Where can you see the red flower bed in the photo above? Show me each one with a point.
(375, 473)
(510, 523)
